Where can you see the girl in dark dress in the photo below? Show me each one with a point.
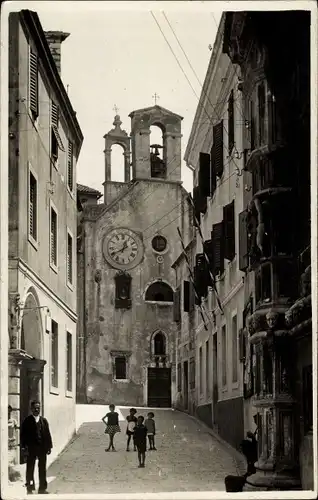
(140, 435)
(131, 424)
(112, 426)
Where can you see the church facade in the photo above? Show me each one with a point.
(126, 285)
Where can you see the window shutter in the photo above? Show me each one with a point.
(54, 114)
(196, 196)
(242, 345)
(53, 237)
(32, 207)
(218, 247)
(231, 121)
(176, 305)
(202, 275)
(205, 175)
(229, 231)
(186, 296)
(243, 241)
(218, 148)
(213, 171)
(70, 166)
(33, 84)
(191, 297)
(69, 258)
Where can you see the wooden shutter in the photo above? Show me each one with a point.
(202, 275)
(218, 148)
(191, 297)
(205, 175)
(69, 258)
(229, 231)
(55, 126)
(34, 84)
(32, 207)
(218, 247)
(70, 166)
(213, 171)
(186, 296)
(231, 121)
(243, 241)
(242, 345)
(176, 305)
(54, 114)
(196, 197)
(53, 237)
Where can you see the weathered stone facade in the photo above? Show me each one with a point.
(124, 304)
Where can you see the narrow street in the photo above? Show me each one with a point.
(187, 459)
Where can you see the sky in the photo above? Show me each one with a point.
(117, 56)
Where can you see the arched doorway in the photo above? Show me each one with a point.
(159, 376)
(32, 364)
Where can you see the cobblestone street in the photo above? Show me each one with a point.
(187, 459)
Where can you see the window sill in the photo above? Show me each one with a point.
(159, 303)
(54, 267)
(54, 390)
(33, 242)
(69, 394)
(121, 380)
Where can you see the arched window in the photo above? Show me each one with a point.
(159, 344)
(159, 292)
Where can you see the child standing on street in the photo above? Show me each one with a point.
(132, 420)
(151, 430)
(140, 438)
(112, 426)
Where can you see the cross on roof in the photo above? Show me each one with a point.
(116, 109)
(155, 97)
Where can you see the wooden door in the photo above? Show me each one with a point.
(159, 387)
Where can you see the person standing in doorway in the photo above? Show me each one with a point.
(36, 443)
(111, 420)
(131, 424)
(140, 438)
(151, 430)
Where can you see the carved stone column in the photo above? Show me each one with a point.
(277, 465)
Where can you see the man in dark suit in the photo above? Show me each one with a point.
(36, 442)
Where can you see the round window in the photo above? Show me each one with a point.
(159, 243)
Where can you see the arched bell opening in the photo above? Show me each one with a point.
(158, 162)
(118, 163)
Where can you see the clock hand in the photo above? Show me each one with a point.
(121, 249)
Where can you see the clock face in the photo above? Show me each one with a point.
(123, 248)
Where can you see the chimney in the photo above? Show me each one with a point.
(54, 39)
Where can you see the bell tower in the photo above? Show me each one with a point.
(146, 161)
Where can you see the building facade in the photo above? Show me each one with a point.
(126, 283)
(215, 153)
(275, 69)
(44, 144)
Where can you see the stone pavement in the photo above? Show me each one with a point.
(187, 459)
